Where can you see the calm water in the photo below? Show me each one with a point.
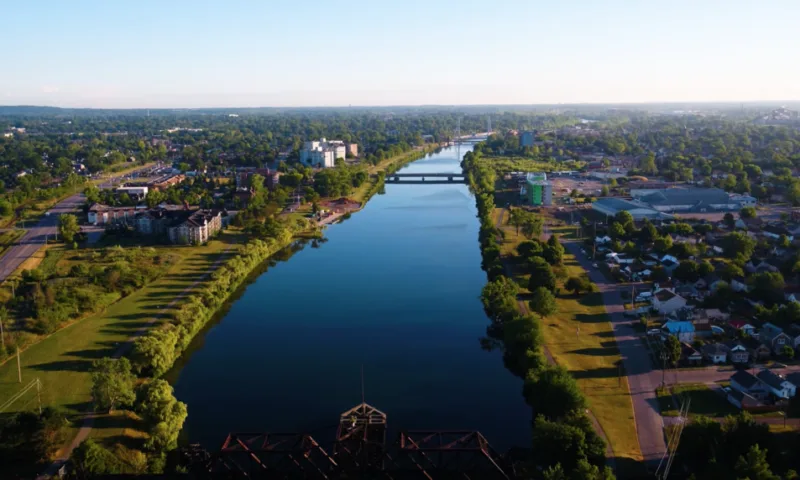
(395, 289)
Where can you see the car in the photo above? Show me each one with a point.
(594, 265)
(654, 331)
(778, 365)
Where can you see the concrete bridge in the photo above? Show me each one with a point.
(412, 178)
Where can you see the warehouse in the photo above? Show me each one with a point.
(612, 206)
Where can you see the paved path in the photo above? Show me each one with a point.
(88, 420)
(642, 379)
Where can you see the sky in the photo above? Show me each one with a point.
(232, 53)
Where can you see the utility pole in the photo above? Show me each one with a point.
(39, 394)
(19, 367)
(663, 367)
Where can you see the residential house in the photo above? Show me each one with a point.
(666, 301)
(745, 382)
(691, 355)
(776, 384)
(776, 231)
(759, 267)
(738, 354)
(100, 214)
(711, 315)
(684, 331)
(715, 352)
(745, 327)
(774, 338)
(742, 400)
(602, 240)
(669, 266)
(758, 351)
(793, 331)
(703, 330)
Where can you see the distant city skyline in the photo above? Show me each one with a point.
(185, 54)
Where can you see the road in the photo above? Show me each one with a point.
(47, 227)
(34, 238)
(642, 378)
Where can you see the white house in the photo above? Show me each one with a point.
(667, 301)
(776, 384)
(715, 352)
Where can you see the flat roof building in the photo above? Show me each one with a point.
(638, 210)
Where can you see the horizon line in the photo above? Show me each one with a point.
(424, 105)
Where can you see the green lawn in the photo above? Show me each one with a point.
(579, 337)
(704, 401)
(61, 360)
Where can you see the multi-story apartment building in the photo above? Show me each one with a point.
(323, 153)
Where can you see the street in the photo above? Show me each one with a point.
(47, 227)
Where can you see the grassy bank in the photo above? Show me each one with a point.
(580, 337)
(61, 361)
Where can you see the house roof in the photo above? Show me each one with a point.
(739, 324)
(769, 331)
(715, 349)
(743, 398)
(771, 379)
(687, 196)
(665, 295)
(745, 379)
(678, 327)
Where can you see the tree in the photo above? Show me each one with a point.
(541, 275)
(705, 268)
(68, 227)
(687, 271)
(92, 193)
(112, 383)
(157, 404)
(767, 287)
(543, 302)
(647, 165)
(553, 251)
(747, 212)
(729, 220)
(673, 349)
(659, 274)
(787, 352)
(625, 219)
(754, 466)
(530, 248)
(738, 246)
(553, 393)
(648, 232)
(604, 191)
(663, 244)
(532, 225)
(579, 284)
(90, 459)
(616, 230)
(499, 298)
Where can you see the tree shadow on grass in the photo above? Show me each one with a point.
(596, 351)
(602, 372)
(63, 365)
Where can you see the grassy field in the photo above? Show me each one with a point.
(704, 401)
(579, 337)
(522, 164)
(61, 360)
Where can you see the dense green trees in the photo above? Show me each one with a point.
(738, 246)
(27, 438)
(112, 383)
(541, 275)
(68, 227)
(499, 298)
(543, 302)
(578, 285)
(165, 415)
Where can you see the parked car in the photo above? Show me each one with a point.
(644, 296)
(594, 265)
(654, 331)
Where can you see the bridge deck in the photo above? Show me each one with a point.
(432, 175)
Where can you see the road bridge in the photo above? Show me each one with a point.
(433, 178)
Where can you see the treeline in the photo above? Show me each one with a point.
(154, 353)
(738, 447)
(564, 443)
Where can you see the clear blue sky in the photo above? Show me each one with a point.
(396, 52)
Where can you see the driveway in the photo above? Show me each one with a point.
(642, 378)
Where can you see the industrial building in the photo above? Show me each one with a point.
(539, 191)
(695, 200)
(612, 206)
(323, 153)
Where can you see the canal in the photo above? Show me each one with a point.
(394, 289)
